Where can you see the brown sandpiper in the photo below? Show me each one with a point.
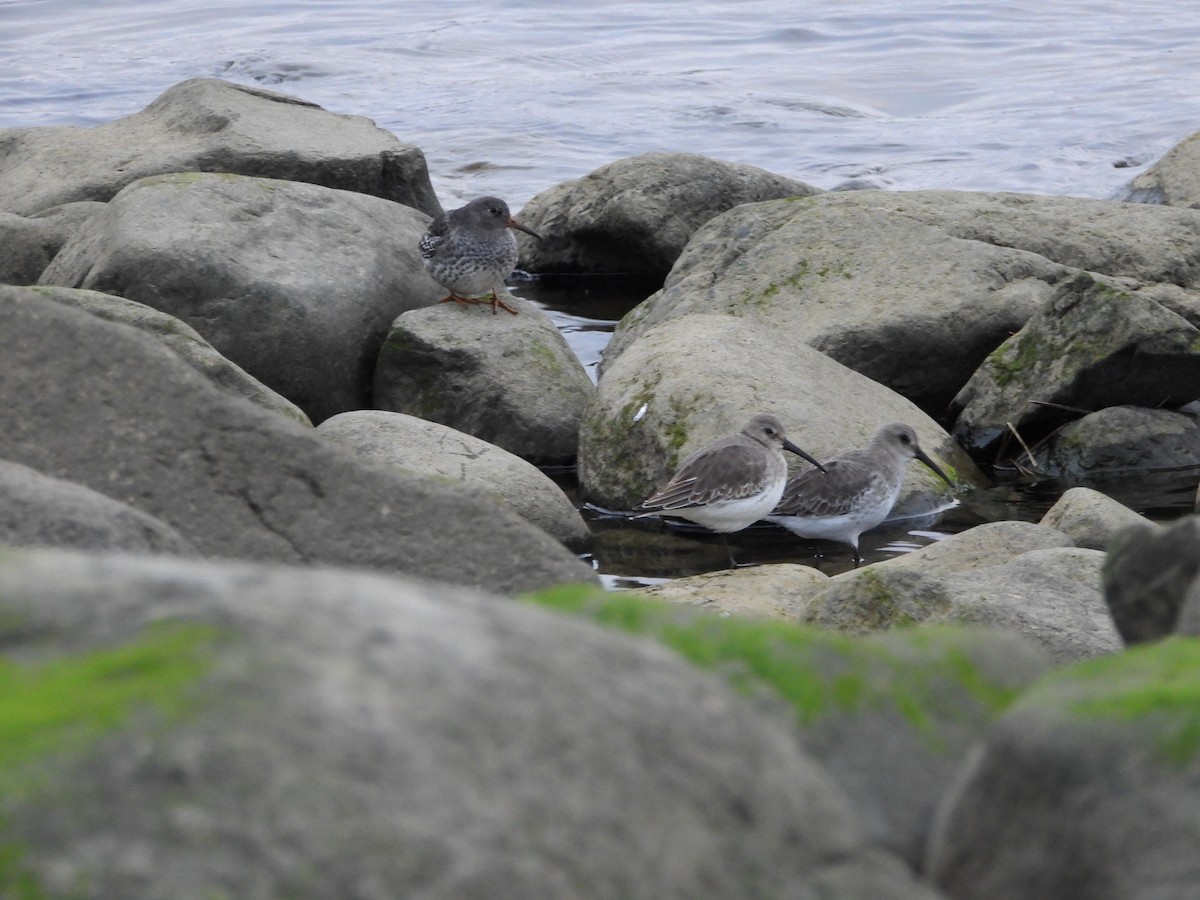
(471, 250)
(733, 482)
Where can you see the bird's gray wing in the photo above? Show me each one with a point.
(721, 472)
(830, 493)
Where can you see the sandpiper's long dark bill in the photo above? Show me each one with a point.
(857, 491)
(731, 483)
(471, 250)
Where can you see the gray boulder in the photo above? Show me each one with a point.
(208, 125)
(109, 407)
(430, 449)
(181, 339)
(635, 215)
(1089, 518)
(1174, 180)
(901, 712)
(1088, 787)
(877, 279)
(1052, 596)
(1091, 346)
(245, 731)
(1121, 438)
(699, 377)
(39, 511)
(1149, 571)
(509, 380)
(293, 282)
(30, 242)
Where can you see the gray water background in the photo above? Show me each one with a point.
(510, 98)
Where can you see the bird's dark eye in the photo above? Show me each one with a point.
(905, 439)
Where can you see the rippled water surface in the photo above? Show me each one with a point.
(510, 98)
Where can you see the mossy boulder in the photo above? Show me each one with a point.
(1093, 345)
(1088, 787)
(697, 378)
(1119, 439)
(198, 730)
(890, 716)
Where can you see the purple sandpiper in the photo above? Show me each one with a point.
(857, 491)
(731, 483)
(470, 251)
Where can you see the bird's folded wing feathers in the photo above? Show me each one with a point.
(832, 493)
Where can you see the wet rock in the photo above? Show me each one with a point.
(1089, 518)
(877, 279)
(699, 377)
(1174, 180)
(181, 339)
(1149, 572)
(991, 544)
(775, 591)
(109, 407)
(636, 215)
(1092, 346)
(430, 449)
(1086, 788)
(317, 733)
(39, 511)
(209, 125)
(30, 242)
(509, 380)
(1120, 438)
(1052, 596)
(293, 282)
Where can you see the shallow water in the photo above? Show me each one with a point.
(511, 97)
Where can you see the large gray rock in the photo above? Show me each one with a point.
(1052, 596)
(1091, 346)
(774, 591)
(699, 377)
(246, 731)
(295, 283)
(1088, 788)
(208, 125)
(30, 242)
(878, 280)
(900, 713)
(636, 215)
(1121, 439)
(39, 511)
(430, 449)
(1149, 571)
(181, 339)
(1089, 518)
(509, 380)
(1173, 180)
(109, 407)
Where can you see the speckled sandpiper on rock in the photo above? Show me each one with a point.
(470, 251)
(857, 491)
(731, 483)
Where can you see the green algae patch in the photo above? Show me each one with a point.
(1156, 687)
(925, 675)
(67, 703)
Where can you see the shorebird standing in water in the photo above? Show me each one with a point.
(470, 251)
(857, 491)
(731, 483)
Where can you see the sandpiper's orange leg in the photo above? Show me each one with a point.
(497, 302)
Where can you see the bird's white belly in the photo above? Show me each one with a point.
(846, 527)
(726, 516)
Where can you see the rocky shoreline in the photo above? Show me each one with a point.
(289, 659)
